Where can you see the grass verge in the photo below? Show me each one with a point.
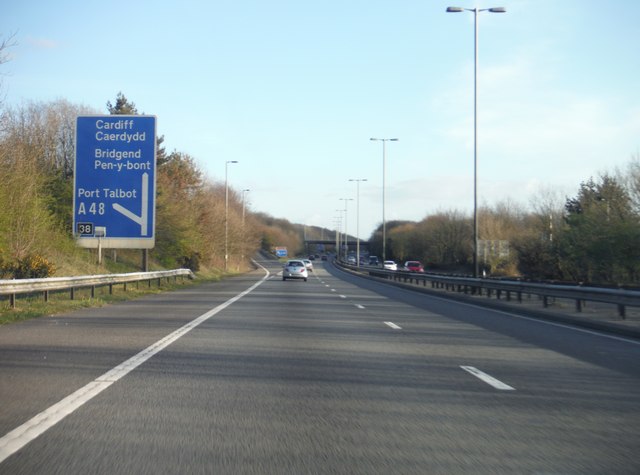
(34, 306)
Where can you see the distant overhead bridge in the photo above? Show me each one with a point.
(332, 242)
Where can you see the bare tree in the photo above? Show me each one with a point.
(548, 212)
(5, 44)
(630, 179)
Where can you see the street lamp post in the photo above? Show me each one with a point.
(357, 180)
(346, 234)
(475, 122)
(226, 213)
(338, 232)
(384, 221)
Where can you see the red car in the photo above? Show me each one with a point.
(414, 266)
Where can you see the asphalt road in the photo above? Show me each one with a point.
(335, 375)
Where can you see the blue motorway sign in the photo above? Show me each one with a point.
(114, 184)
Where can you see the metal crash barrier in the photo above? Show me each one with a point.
(15, 287)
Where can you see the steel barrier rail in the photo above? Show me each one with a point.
(14, 287)
(619, 297)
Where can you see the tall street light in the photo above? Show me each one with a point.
(337, 223)
(475, 123)
(346, 234)
(338, 232)
(226, 213)
(384, 221)
(357, 180)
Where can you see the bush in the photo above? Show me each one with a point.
(191, 262)
(33, 266)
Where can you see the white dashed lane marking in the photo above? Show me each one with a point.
(393, 325)
(490, 380)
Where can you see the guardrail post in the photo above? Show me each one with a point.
(110, 289)
(12, 300)
(545, 301)
(578, 305)
(93, 291)
(73, 293)
(46, 296)
(622, 311)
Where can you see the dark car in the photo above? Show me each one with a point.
(414, 266)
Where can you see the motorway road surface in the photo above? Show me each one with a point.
(335, 375)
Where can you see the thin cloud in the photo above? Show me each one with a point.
(43, 43)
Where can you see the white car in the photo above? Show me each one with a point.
(295, 269)
(390, 265)
(308, 264)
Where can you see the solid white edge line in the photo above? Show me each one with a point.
(393, 325)
(40, 423)
(490, 380)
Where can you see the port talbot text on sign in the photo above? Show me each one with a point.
(114, 187)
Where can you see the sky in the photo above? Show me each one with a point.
(294, 90)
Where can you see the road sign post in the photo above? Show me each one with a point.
(114, 183)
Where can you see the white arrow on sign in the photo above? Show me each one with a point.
(141, 220)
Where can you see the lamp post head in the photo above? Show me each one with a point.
(492, 10)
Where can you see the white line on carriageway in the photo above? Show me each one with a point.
(490, 380)
(40, 423)
(393, 325)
